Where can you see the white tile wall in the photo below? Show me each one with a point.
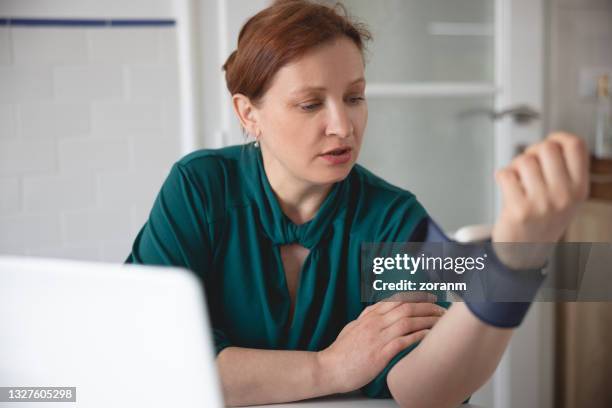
(20, 232)
(5, 46)
(22, 157)
(88, 131)
(140, 214)
(167, 48)
(25, 83)
(53, 120)
(57, 192)
(7, 121)
(121, 188)
(88, 82)
(67, 251)
(94, 154)
(125, 45)
(92, 226)
(148, 151)
(145, 83)
(114, 250)
(10, 199)
(49, 45)
(125, 117)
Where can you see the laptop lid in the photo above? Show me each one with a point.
(122, 335)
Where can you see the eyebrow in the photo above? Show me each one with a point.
(321, 88)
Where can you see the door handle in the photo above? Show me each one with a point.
(522, 114)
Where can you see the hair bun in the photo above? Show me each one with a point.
(230, 61)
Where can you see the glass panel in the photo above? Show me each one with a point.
(429, 147)
(428, 40)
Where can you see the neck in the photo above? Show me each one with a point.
(298, 199)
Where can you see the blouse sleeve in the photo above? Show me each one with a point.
(177, 234)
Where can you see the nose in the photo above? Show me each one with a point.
(339, 121)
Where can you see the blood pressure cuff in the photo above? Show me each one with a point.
(500, 297)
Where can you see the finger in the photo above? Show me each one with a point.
(530, 174)
(556, 173)
(407, 325)
(510, 185)
(412, 310)
(576, 158)
(417, 297)
(398, 344)
(554, 167)
(397, 299)
(367, 310)
(384, 305)
(412, 296)
(375, 306)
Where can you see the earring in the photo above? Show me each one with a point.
(256, 144)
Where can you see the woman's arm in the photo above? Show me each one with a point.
(253, 376)
(542, 189)
(455, 359)
(361, 351)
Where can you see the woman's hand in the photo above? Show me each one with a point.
(366, 345)
(542, 189)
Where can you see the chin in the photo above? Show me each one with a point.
(335, 175)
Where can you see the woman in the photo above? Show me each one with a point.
(252, 221)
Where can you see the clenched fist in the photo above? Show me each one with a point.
(542, 190)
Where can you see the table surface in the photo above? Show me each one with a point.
(351, 400)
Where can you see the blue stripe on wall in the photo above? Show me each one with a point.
(142, 22)
(65, 22)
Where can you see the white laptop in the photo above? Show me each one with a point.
(119, 336)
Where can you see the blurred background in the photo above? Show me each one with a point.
(98, 99)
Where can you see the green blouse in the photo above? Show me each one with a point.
(217, 215)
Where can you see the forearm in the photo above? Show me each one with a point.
(253, 376)
(454, 360)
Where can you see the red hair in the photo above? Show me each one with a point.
(280, 34)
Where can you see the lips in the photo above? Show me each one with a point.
(338, 156)
(337, 151)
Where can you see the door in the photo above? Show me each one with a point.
(439, 73)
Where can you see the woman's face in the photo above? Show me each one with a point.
(315, 105)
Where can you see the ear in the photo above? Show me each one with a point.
(247, 113)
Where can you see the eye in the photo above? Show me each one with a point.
(310, 106)
(355, 100)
